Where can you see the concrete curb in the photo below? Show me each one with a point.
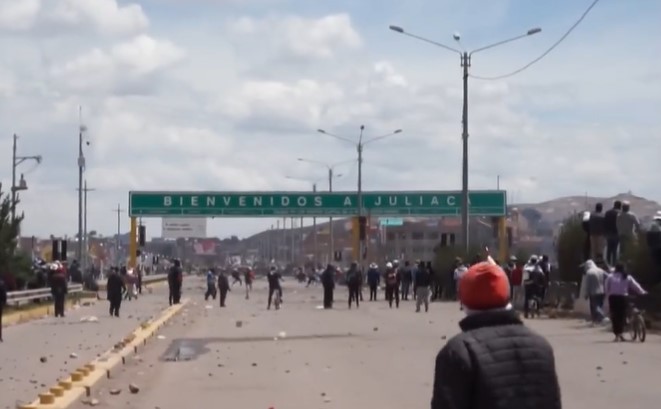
(68, 391)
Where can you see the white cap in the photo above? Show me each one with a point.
(657, 216)
(389, 265)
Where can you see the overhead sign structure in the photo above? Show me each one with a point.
(318, 204)
(184, 227)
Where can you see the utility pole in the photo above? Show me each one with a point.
(465, 57)
(359, 147)
(119, 212)
(331, 228)
(81, 170)
(314, 231)
(85, 253)
(22, 184)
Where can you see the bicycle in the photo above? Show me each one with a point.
(636, 323)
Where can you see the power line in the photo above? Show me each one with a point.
(545, 53)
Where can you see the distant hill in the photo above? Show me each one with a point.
(556, 210)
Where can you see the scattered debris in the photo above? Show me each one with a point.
(73, 355)
(133, 388)
(254, 364)
(208, 307)
(375, 329)
(161, 337)
(115, 391)
(43, 359)
(239, 324)
(599, 368)
(90, 318)
(91, 402)
(282, 334)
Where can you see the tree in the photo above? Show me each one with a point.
(12, 264)
(532, 216)
(569, 249)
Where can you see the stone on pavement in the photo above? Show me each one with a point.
(38, 353)
(336, 359)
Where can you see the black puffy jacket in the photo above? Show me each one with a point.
(496, 363)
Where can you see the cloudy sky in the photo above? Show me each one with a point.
(226, 94)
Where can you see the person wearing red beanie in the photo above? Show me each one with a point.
(496, 362)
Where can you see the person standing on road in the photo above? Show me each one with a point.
(211, 285)
(533, 282)
(459, 270)
(392, 285)
(223, 287)
(610, 228)
(407, 278)
(373, 278)
(3, 302)
(421, 288)
(595, 282)
(247, 276)
(114, 288)
(354, 281)
(618, 287)
(175, 280)
(274, 278)
(496, 362)
(328, 282)
(59, 290)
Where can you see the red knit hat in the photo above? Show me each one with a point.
(484, 287)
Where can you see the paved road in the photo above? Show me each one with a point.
(23, 376)
(373, 357)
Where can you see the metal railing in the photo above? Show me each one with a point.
(16, 298)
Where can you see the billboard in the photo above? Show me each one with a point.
(183, 228)
(205, 247)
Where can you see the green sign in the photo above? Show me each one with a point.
(308, 204)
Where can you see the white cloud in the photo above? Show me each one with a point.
(18, 14)
(124, 64)
(220, 107)
(103, 16)
(315, 38)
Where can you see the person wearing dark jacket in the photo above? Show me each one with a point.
(223, 287)
(273, 278)
(354, 281)
(373, 279)
(610, 229)
(328, 282)
(3, 302)
(421, 289)
(175, 278)
(115, 287)
(59, 290)
(406, 276)
(392, 285)
(496, 362)
(597, 231)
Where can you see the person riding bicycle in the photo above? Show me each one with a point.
(274, 278)
(533, 284)
(619, 286)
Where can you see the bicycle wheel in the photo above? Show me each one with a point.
(641, 330)
(633, 328)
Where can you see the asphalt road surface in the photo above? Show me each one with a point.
(374, 357)
(85, 332)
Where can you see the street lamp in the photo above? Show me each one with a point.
(81, 170)
(359, 148)
(465, 64)
(22, 184)
(331, 174)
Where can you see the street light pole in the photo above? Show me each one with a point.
(314, 231)
(465, 65)
(359, 149)
(331, 175)
(81, 170)
(22, 185)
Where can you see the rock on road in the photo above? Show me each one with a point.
(65, 344)
(373, 357)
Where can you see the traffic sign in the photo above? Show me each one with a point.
(302, 204)
(391, 221)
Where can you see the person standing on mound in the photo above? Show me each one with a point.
(496, 362)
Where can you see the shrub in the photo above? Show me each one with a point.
(569, 249)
